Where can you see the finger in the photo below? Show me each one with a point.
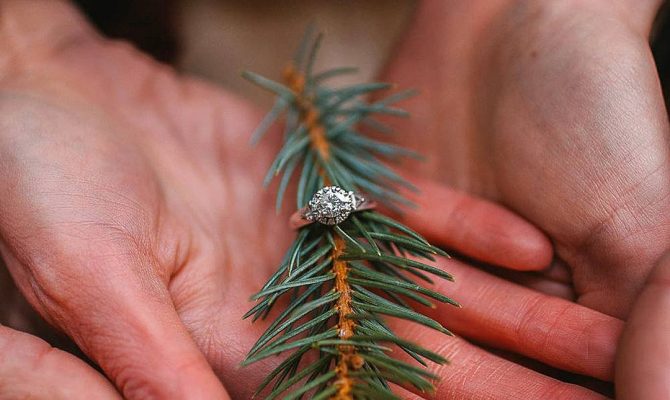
(31, 369)
(542, 284)
(121, 315)
(555, 280)
(538, 281)
(554, 331)
(476, 374)
(477, 228)
(643, 371)
(558, 271)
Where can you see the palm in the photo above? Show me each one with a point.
(553, 109)
(176, 183)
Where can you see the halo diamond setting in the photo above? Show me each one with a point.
(332, 205)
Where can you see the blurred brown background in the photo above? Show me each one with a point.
(216, 39)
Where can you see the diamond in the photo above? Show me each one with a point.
(331, 205)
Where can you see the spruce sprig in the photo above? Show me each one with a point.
(339, 282)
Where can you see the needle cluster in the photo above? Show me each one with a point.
(336, 284)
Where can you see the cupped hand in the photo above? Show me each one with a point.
(132, 218)
(130, 210)
(554, 109)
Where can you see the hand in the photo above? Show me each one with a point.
(132, 219)
(643, 371)
(117, 186)
(553, 109)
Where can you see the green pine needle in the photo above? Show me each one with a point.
(322, 145)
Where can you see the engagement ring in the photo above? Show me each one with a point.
(330, 205)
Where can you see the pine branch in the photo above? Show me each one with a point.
(340, 281)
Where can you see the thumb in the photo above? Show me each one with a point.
(31, 369)
(121, 315)
(642, 369)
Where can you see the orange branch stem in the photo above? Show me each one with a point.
(308, 113)
(347, 358)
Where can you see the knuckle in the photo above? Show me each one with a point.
(31, 352)
(139, 381)
(135, 383)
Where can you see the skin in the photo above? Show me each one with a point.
(522, 104)
(31, 369)
(132, 220)
(643, 371)
(554, 109)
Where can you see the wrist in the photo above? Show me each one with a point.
(477, 15)
(31, 30)
(641, 13)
